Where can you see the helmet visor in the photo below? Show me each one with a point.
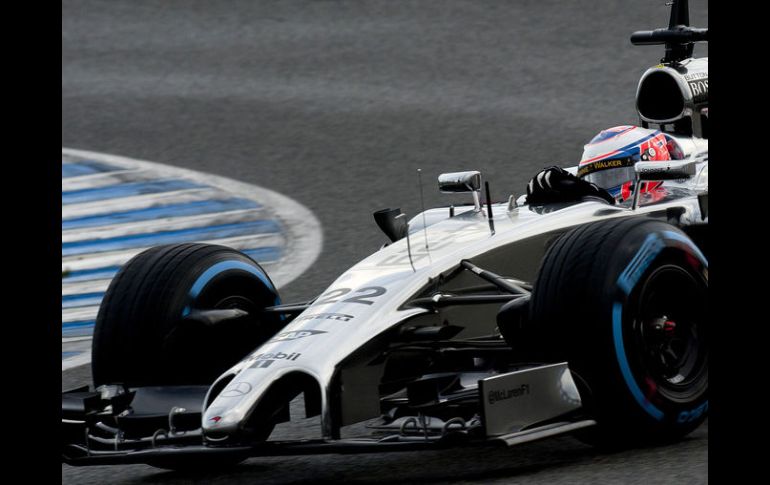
(609, 174)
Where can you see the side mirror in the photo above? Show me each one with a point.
(662, 170)
(665, 170)
(450, 183)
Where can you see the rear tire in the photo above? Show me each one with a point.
(140, 337)
(625, 302)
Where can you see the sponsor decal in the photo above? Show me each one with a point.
(418, 254)
(237, 390)
(647, 169)
(282, 337)
(693, 76)
(446, 238)
(649, 250)
(497, 395)
(217, 414)
(699, 89)
(340, 317)
(402, 259)
(261, 361)
(604, 164)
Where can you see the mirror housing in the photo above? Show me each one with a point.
(458, 182)
(449, 183)
(665, 170)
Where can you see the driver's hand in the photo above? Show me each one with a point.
(554, 184)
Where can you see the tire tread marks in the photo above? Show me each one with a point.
(560, 269)
(570, 314)
(144, 285)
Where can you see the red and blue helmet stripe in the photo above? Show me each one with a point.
(621, 146)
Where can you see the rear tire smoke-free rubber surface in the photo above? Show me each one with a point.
(625, 302)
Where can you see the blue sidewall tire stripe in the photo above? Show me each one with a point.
(649, 250)
(625, 369)
(219, 268)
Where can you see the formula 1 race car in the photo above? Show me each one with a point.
(478, 324)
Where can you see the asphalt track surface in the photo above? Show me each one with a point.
(337, 104)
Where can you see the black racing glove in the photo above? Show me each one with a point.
(554, 184)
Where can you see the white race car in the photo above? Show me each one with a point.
(477, 324)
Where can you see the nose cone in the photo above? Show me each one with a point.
(219, 423)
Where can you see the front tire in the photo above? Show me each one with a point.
(625, 302)
(141, 337)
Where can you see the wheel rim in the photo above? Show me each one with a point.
(669, 337)
(218, 347)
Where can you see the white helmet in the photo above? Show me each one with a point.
(608, 159)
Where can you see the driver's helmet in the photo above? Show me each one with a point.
(608, 159)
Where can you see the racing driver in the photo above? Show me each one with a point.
(606, 169)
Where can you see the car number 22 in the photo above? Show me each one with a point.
(362, 295)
